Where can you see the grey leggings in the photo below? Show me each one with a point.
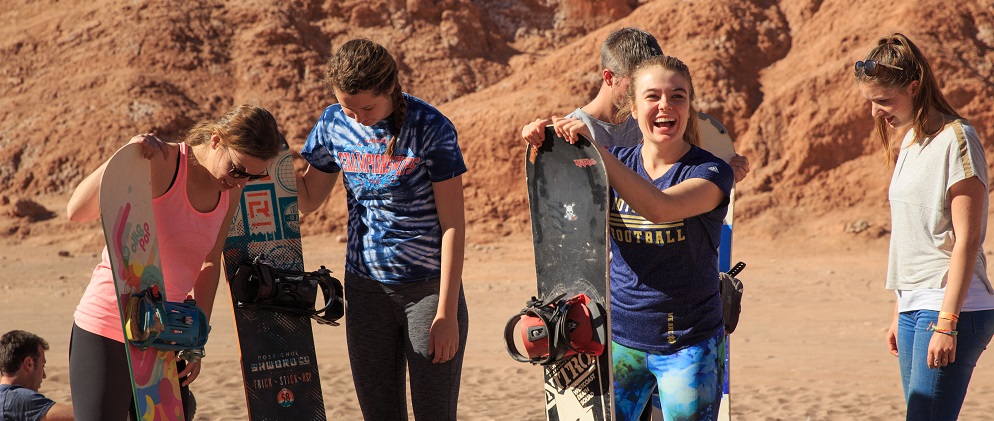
(387, 328)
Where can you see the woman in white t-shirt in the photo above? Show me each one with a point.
(944, 316)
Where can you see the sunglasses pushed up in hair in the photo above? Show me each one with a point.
(869, 67)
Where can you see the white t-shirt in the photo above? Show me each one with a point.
(922, 235)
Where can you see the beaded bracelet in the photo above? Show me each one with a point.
(949, 316)
(933, 328)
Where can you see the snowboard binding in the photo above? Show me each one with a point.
(259, 285)
(550, 331)
(168, 326)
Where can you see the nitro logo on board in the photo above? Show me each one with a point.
(576, 374)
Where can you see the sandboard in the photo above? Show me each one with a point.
(715, 139)
(568, 199)
(278, 360)
(129, 228)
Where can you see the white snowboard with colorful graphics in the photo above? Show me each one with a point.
(129, 228)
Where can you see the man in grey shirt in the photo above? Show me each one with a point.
(621, 53)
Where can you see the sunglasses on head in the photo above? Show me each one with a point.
(236, 172)
(869, 67)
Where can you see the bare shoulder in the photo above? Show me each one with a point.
(164, 169)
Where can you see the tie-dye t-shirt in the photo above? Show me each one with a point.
(394, 234)
(664, 276)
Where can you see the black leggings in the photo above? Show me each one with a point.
(100, 380)
(387, 327)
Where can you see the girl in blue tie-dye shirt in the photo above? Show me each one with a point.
(402, 172)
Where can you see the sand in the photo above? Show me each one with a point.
(809, 345)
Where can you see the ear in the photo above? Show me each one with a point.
(608, 77)
(215, 140)
(913, 88)
(28, 364)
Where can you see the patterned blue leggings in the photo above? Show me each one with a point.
(689, 381)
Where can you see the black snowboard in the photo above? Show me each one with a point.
(279, 362)
(568, 198)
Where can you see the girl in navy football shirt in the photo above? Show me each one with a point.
(402, 168)
(668, 200)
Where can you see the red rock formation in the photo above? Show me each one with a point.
(78, 80)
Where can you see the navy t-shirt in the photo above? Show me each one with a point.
(394, 234)
(664, 277)
(18, 403)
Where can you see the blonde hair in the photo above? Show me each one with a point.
(248, 129)
(692, 134)
(363, 65)
(897, 50)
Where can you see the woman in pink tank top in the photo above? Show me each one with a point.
(196, 186)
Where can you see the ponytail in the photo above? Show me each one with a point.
(908, 65)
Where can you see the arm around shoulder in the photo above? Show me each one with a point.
(740, 166)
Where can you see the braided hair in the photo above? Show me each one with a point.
(363, 65)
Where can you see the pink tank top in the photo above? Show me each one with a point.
(186, 236)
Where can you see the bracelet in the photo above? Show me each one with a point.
(949, 316)
(933, 328)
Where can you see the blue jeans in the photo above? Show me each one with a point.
(937, 394)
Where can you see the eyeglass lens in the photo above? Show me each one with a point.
(235, 172)
(868, 67)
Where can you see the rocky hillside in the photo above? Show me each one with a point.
(77, 80)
